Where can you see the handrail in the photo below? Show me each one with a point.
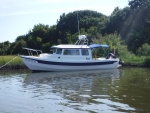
(82, 40)
(30, 51)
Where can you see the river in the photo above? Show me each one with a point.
(125, 90)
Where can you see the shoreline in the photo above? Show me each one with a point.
(134, 65)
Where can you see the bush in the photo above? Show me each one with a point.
(144, 50)
(114, 41)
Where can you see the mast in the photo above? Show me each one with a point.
(78, 23)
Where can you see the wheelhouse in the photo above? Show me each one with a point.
(76, 50)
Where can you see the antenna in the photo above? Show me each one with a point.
(78, 23)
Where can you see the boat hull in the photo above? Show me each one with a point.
(36, 64)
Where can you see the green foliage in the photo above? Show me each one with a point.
(134, 4)
(17, 48)
(4, 47)
(117, 20)
(15, 63)
(139, 28)
(133, 59)
(144, 50)
(132, 23)
(115, 43)
(87, 18)
(68, 24)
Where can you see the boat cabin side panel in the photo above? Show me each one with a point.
(70, 54)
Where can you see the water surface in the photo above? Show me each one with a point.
(124, 90)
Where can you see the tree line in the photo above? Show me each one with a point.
(130, 26)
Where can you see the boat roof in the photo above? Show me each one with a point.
(67, 46)
(98, 46)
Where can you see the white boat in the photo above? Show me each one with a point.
(69, 57)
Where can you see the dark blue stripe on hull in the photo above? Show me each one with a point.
(75, 64)
(72, 63)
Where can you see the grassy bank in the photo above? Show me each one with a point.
(133, 60)
(17, 63)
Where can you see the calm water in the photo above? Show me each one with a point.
(124, 90)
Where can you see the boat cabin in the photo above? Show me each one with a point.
(72, 52)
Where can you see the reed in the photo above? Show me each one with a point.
(17, 63)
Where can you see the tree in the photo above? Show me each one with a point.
(134, 4)
(17, 47)
(117, 21)
(115, 43)
(138, 20)
(22, 37)
(40, 30)
(87, 19)
(144, 50)
(132, 23)
(4, 47)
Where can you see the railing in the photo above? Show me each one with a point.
(82, 40)
(30, 51)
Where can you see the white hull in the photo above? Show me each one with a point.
(36, 64)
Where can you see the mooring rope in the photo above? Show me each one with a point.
(8, 62)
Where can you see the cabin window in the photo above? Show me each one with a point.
(53, 51)
(71, 52)
(56, 51)
(85, 52)
(59, 51)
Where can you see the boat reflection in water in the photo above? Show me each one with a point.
(82, 90)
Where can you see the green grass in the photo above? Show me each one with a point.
(137, 60)
(17, 63)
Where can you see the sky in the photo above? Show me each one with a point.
(17, 17)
